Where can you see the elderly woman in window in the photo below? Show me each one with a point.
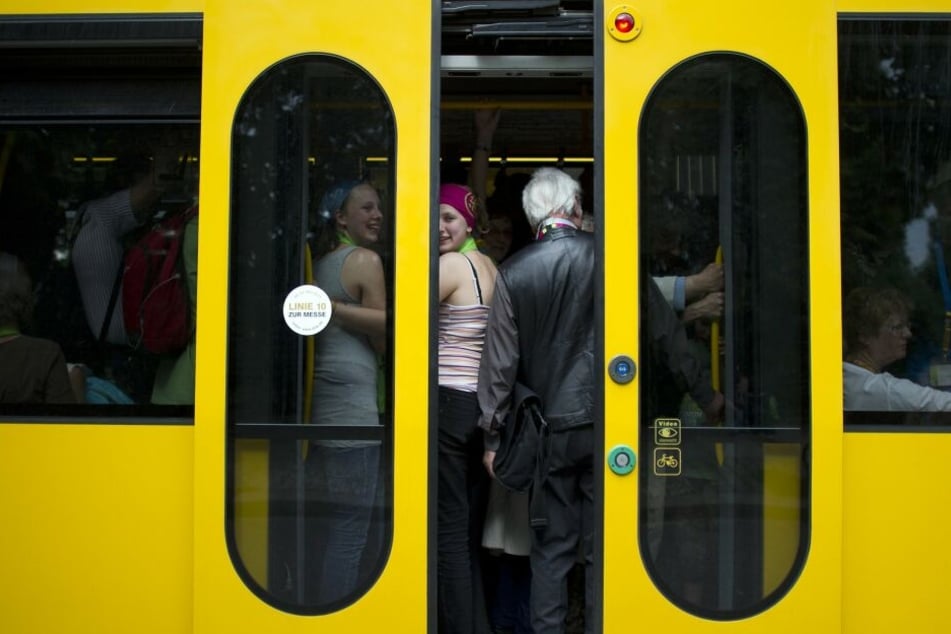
(876, 332)
(32, 370)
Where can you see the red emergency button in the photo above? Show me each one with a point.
(624, 23)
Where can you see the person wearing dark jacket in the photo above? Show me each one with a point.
(540, 332)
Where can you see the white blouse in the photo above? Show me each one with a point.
(868, 391)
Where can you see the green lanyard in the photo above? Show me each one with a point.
(343, 238)
(468, 245)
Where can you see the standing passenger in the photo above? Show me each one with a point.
(175, 375)
(466, 286)
(345, 471)
(506, 534)
(103, 227)
(541, 333)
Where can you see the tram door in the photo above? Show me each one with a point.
(306, 517)
(719, 159)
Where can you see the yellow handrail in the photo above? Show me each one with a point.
(715, 340)
(715, 359)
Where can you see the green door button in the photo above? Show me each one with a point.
(621, 460)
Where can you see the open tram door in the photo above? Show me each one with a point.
(300, 156)
(719, 134)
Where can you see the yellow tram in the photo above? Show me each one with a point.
(807, 142)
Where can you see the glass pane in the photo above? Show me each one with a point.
(82, 181)
(723, 239)
(895, 162)
(310, 451)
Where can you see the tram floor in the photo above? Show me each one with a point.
(574, 621)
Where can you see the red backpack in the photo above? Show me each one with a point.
(156, 304)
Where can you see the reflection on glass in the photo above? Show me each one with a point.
(345, 472)
(75, 200)
(724, 226)
(876, 333)
(895, 162)
(310, 493)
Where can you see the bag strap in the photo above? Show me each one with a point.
(536, 511)
(76, 227)
(113, 299)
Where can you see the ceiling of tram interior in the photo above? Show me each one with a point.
(534, 59)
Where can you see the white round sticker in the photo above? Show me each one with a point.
(307, 310)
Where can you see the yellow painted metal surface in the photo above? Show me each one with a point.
(895, 557)
(96, 529)
(896, 516)
(385, 39)
(251, 506)
(781, 476)
(113, 528)
(794, 39)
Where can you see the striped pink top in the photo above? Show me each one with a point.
(461, 334)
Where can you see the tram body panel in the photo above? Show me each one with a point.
(270, 33)
(98, 528)
(121, 527)
(893, 548)
(895, 532)
(671, 35)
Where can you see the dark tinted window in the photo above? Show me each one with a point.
(309, 416)
(895, 166)
(724, 519)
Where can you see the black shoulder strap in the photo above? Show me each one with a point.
(113, 298)
(77, 226)
(536, 511)
(475, 278)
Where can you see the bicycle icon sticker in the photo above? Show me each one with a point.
(667, 461)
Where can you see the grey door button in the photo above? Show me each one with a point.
(622, 369)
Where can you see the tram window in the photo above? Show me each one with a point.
(97, 142)
(724, 523)
(895, 162)
(309, 496)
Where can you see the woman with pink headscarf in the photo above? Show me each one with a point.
(466, 285)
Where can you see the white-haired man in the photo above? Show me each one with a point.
(540, 332)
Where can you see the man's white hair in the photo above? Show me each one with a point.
(549, 191)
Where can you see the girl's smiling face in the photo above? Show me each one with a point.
(453, 229)
(361, 217)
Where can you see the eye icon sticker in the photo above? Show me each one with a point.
(667, 432)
